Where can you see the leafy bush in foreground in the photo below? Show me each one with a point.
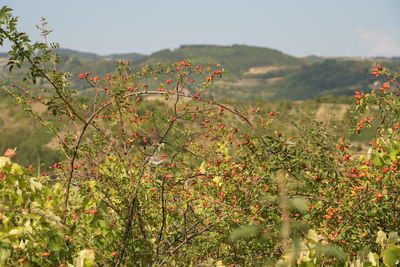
(199, 183)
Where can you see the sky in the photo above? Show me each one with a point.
(360, 28)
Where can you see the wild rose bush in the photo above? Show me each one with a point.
(156, 173)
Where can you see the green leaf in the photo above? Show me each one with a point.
(381, 238)
(376, 257)
(4, 161)
(5, 252)
(312, 235)
(300, 204)
(14, 232)
(203, 167)
(85, 258)
(102, 223)
(245, 232)
(306, 264)
(372, 259)
(393, 238)
(331, 250)
(16, 169)
(391, 255)
(35, 184)
(56, 242)
(393, 155)
(376, 159)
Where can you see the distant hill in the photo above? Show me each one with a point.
(235, 58)
(65, 52)
(328, 77)
(74, 53)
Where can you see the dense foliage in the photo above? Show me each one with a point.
(199, 182)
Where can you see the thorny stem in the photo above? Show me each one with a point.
(72, 160)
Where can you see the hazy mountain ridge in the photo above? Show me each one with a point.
(87, 55)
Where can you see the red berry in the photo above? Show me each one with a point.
(93, 211)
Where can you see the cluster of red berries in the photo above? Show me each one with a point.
(358, 95)
(375, 72)
(84, 75)
(361, 123)
(384, 87)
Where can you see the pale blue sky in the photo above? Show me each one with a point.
(296, 27)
